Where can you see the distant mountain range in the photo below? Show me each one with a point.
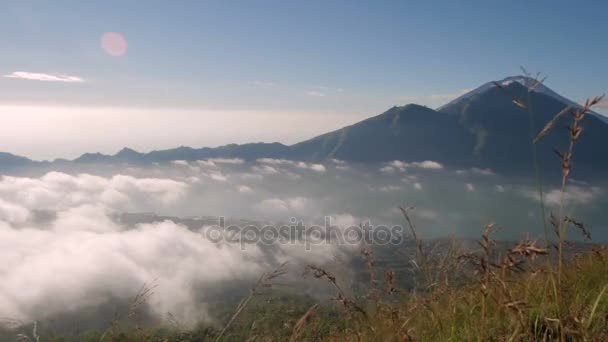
(482, 128)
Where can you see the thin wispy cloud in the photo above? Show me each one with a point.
(315, 93)
(36, 76)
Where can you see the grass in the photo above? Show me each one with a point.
(526, 291)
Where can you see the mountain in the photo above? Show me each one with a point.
(482, 128)
(8, 160)
(410, 132)
(527, 82)
(504, 133)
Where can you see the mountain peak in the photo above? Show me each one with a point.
(127, 152)
(526, 81)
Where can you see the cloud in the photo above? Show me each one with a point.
(320, 168)
(573, 195)
(293, 205)
(275, 161)
(389, 188)
(34, 76)
(265, 170)
(58, 191)
(315, 93)
(12, 213)
(470, 187)
(180, 162)
(106, 262)
(428, 164)
(399, 165)
(83, 257)
(232, 161)
(417, 186)
(500, 188)
(317, 168)
(477, 171)
(244, 189)
(206, 163)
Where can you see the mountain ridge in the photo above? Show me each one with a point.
(482, 128)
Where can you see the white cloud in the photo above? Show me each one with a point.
(57, 191)
(293, 205)
(315, 93)
(275, 161)
(389, 188)
(84, 232)
(244, 189)
(399, 165)
(87, 245)
(417, 186)
(35, 76)
(216, 176)
(12, 213)
(318, 168)
(477, 171)
(500, 188)
(265, 170)
(180, 162)
(428, 164)
(470, 187)
(233, 161)
(573, 195)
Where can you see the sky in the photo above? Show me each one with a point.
(89, 76)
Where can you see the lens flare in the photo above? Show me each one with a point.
(114, 44)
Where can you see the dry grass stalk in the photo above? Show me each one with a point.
(298, 329)
(140, 298)
(350, 305)
(368, 256)
(391, 287)
(550, 124)
(265, 281)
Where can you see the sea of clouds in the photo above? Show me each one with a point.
(62, 248)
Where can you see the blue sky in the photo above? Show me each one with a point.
(310, 66)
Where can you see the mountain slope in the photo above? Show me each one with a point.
(505, 132)
(8, 160)
(410, 132)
